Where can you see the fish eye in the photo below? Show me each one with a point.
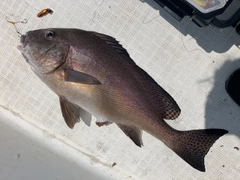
(49, 35)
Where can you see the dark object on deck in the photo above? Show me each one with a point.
(233, 86)
(219, 13)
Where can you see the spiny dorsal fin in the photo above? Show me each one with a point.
(80, 77)
(114, 43)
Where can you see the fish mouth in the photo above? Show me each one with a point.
(24, 40)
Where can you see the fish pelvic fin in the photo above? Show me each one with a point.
(70, 112)
(100, 122)
(192, 146)
(133, 133)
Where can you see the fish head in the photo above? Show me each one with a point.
(44, 49)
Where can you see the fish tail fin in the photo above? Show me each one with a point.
(192, 146)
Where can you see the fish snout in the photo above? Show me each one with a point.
(24, 40)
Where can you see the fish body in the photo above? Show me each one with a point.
(93, 72)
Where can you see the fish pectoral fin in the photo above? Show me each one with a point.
(80, 77)
(133, 133)
(70, 112)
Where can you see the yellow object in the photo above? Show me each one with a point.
(202, 3)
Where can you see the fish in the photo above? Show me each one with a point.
(91, 71)
(44, 12)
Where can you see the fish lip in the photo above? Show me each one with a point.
(24, 41)
(22, 38)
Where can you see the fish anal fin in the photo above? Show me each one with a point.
(192, 146)
(70, 112)
(133, 133)
(71, 75)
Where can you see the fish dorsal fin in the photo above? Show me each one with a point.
(133, 133)
(70, 112)
(114, 43)
(80, 77)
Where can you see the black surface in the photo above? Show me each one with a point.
(233, 86)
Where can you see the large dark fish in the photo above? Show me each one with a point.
(93, 72)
